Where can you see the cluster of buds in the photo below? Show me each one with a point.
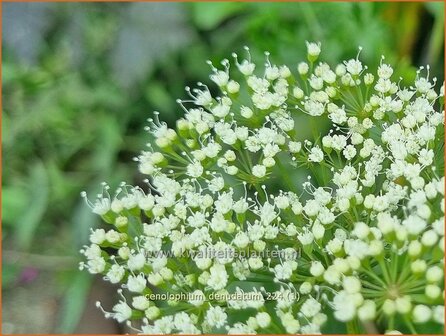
(361, 240)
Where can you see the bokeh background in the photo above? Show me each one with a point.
(79, 82)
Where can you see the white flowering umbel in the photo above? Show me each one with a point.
(361, 241)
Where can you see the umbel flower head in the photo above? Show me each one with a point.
(206, 247)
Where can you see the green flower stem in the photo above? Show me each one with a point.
(371, 285)
(394, 266)
(383, 267)
(436, 40)
(360, 96)
(370, 327)
(353, 327)
(372, 274)
(391, 322)
(286, 176)
(410, 325)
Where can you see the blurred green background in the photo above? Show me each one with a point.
(79, 82)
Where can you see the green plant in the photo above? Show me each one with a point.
(210, 247)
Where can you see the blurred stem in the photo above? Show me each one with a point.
(47, 262)
(383, 267)
(410, 325)
(370, 327)
(311, 19)
(324, 176)
(353, 327)
(391, 324)
(436, 41)
(285, 175)
(314, 128)
(394, 267)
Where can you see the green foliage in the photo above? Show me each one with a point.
(74, 302)
(37, 204)
(76, 101)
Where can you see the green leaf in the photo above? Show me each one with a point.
(10, 73)
(159, 97)
(435, 8)
(333, 326)
(82, 220)
(107, 145)
(10, 273)
(14, 202)
(26, 225)
(139, 45)
(209, 15)
(74, 302)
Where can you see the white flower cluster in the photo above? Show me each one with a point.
(362, 239)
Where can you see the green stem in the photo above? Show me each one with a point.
(391, 322)
(395, 267)
(386, 275)
(410, 325)
(285, 175)
(353, 327)
(373, 275)
(436, 40)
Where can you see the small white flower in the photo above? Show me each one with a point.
(313, 49)
(197, 298)
(220, 78)
(367, 312)
(122, 312)
(351, 284)
(316, 269)
(310, 307)
(136, 262)
(263, 319)
(283, 272)
(385, 71)
(140, 302)
(434, 274)
(97, 236)
(218, 277)
(354, 67)
(421, 314)
(259, 171)
(302, 68)
(349, 152)
(316, 155)
(216, 317)
(96, 265)
(344, 306)
(137, 283)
